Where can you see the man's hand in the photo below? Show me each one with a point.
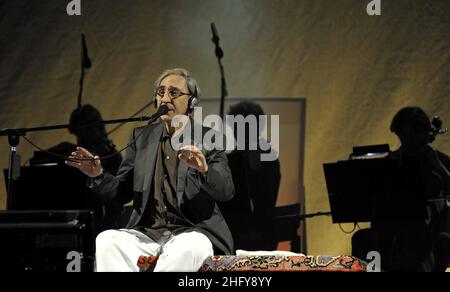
(86, 162)
(194, 158)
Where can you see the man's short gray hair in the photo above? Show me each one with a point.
(192, 85)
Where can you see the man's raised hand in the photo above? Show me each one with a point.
(85, 162)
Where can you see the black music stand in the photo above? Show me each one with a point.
(369, 190)
(52, 187)
(358, 190)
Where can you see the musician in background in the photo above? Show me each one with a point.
(93, 137)
(250, 213)
(411, 243)
(86, 124)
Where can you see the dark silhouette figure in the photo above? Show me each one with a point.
(85, 124)
(250, 213)
(414, 236)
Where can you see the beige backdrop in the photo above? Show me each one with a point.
(356, 71)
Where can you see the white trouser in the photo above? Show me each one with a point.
(119, 251)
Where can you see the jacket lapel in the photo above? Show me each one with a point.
(150, 158)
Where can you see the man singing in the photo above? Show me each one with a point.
(175, 215)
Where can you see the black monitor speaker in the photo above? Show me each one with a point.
(60, 240)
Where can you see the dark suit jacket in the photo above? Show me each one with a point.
(196, 195)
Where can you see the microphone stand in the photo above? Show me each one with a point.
(80, 92)
(219, 55)
(85, 64)
(14, 139)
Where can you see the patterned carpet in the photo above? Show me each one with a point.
(283, 264)
(270, 264)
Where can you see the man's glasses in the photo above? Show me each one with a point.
(173, 92)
